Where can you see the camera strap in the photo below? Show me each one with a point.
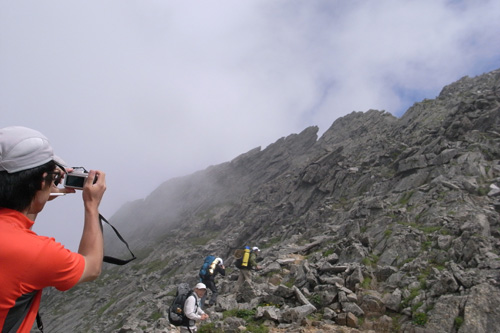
(113, 260)
(108, 259)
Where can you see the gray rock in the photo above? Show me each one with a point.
(442, 283)
(284, 292)
(482, 310)
(246, 293)
(300, 297)
(272, 268)
(329, 314)
(445, 311)
(285, 261)
(332, 258)
(392, 301)
(298, 313)
(326, 297)
(372, 303)
(351, 320)
(227, 302)
(332, 280)
(383, 324)
(352, 308)
(354, 279)
(233, 324)
(494, 190)
(341, 319)
(268, 312)
(384, 272)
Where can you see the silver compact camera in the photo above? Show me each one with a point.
(76, 179)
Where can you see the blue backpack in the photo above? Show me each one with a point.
(205, 267)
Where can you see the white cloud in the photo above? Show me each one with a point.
(151, 90)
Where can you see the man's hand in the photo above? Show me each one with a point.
(204, 316)
(93, 190)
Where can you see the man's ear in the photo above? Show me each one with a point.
(44, 180)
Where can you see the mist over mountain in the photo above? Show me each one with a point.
(382, 223)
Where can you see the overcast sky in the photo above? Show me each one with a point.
(151, 90)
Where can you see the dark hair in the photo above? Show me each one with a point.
(18, 189)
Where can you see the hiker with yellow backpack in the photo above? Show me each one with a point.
(246, 262)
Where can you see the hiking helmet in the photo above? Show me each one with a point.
(255, 249)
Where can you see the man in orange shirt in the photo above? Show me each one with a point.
(29, 174)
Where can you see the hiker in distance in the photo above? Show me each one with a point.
(29, 175)
(211, 267)
(193, 310)
(246, 271)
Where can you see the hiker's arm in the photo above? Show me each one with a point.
(189, 309)
(203, 315)
(200, 312)
(91, 243)
(252, 260)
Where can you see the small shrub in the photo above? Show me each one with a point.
(482, 191)
(413, 293)
(240, 313)
(416, 306)
(256, 328)
(367, 281)
(156, 265)
(207, 328)
(315, 299)
(445, 232)
(328, 252)
(370, 260)
(429, 230)
(422, 278)
(155, 316)
(270, 304)
(458, 322)
(199, 240)
(396, 324)
(406, 198)
(289, 283)
(270, 243)
(105, 307)
(426, 245)
(420, 318)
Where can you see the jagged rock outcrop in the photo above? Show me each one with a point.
(381, 225)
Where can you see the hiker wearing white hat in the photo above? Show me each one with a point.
(192, 308)
(29, 175)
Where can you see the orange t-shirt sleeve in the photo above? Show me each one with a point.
(57, 266)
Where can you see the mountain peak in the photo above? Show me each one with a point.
(394, 221)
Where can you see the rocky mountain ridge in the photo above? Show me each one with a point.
(381, 224)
